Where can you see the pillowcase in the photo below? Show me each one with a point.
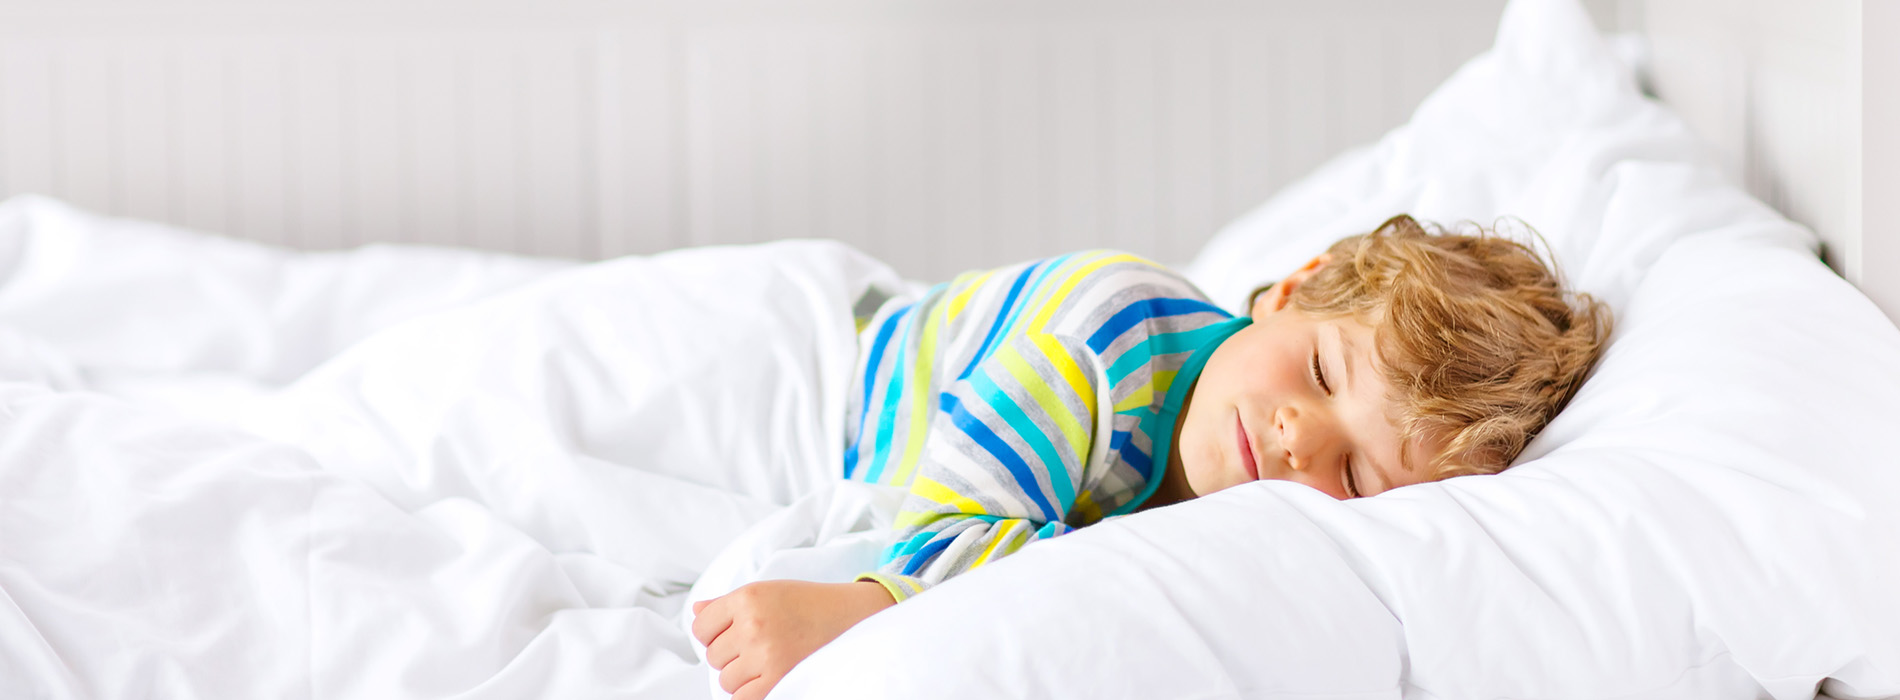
(1529, 136)
(1710, 518)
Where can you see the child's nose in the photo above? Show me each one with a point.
(1301, 437)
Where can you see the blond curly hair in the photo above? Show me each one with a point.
(1475, 335)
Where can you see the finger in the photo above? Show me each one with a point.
(723, 650)
(756, 688)
(711, 619)
(736, 674)
(699, 605)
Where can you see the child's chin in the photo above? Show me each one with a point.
(1217, 486)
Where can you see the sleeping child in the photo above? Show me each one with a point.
(1020, 403)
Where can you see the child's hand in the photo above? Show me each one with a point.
(756, 634)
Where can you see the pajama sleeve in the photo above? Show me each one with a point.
(1005, 463)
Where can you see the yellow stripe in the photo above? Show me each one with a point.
(969, 288)
(1045, 397)
(1086, 507)
(1142, 397)
(929, 488)
(920, 397)
(1055, 299)
(1164, 379)
(900, 588)
(1043, 292)
(1052, 349)
(1008, 533)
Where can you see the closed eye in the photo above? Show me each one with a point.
(1319, 375)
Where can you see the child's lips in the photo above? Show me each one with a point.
(1246, 449)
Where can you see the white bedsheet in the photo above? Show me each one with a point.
(233, 471)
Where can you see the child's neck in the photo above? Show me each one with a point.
(1174, 484)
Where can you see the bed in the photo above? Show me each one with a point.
(466, 460)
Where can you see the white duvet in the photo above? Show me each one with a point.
(492, 477)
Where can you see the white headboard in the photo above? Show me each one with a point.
(1803, 98)
(937, 134)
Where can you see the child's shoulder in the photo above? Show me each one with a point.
(1084, 291)
(1125, 276)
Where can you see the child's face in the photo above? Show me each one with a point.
(1261, 411)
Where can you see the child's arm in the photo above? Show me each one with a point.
(756, 634)
(1004, 464)
(1002, 499)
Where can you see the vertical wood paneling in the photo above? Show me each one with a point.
(490, 101)
(902, 204)
(960, 158)
(1875, 209)
(202, 109)
(935, 146)
(788, 121)
(1417, 62)
(83, 86)
(30, 112)
(557, 220)
(1305, 114)
(847, 113)
(1359, 83)
(1246, 137)
(1079, 163)
(144, 178)
(261, 130)
(1015, 174)
(721, 139)
(319, 146)
(1132, 140)
(642, 140)
(1188, 180)
(373, 181)
(432, 150)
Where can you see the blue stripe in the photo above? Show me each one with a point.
(1036, 291)
(923, 556)
(1027, 429)
(906, 547)
(996, 326)
(1133, 455)
(870, 382)
(886, 419)
(1136, 357)
(988, 440)
(1143, 310)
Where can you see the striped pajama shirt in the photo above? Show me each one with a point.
(1017, 404)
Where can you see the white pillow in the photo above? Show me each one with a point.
(1536, 129)
(1711, 518)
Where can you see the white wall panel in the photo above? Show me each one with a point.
(937, 135)
(29, 118)
(374, 189)
(432, 154)
(1877, 207)
(145, 175)
(261, 128)
(1773, 86)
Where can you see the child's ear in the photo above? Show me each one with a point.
(1275, 297)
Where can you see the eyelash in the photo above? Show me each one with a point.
(1320, 376)
(1352, 485)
